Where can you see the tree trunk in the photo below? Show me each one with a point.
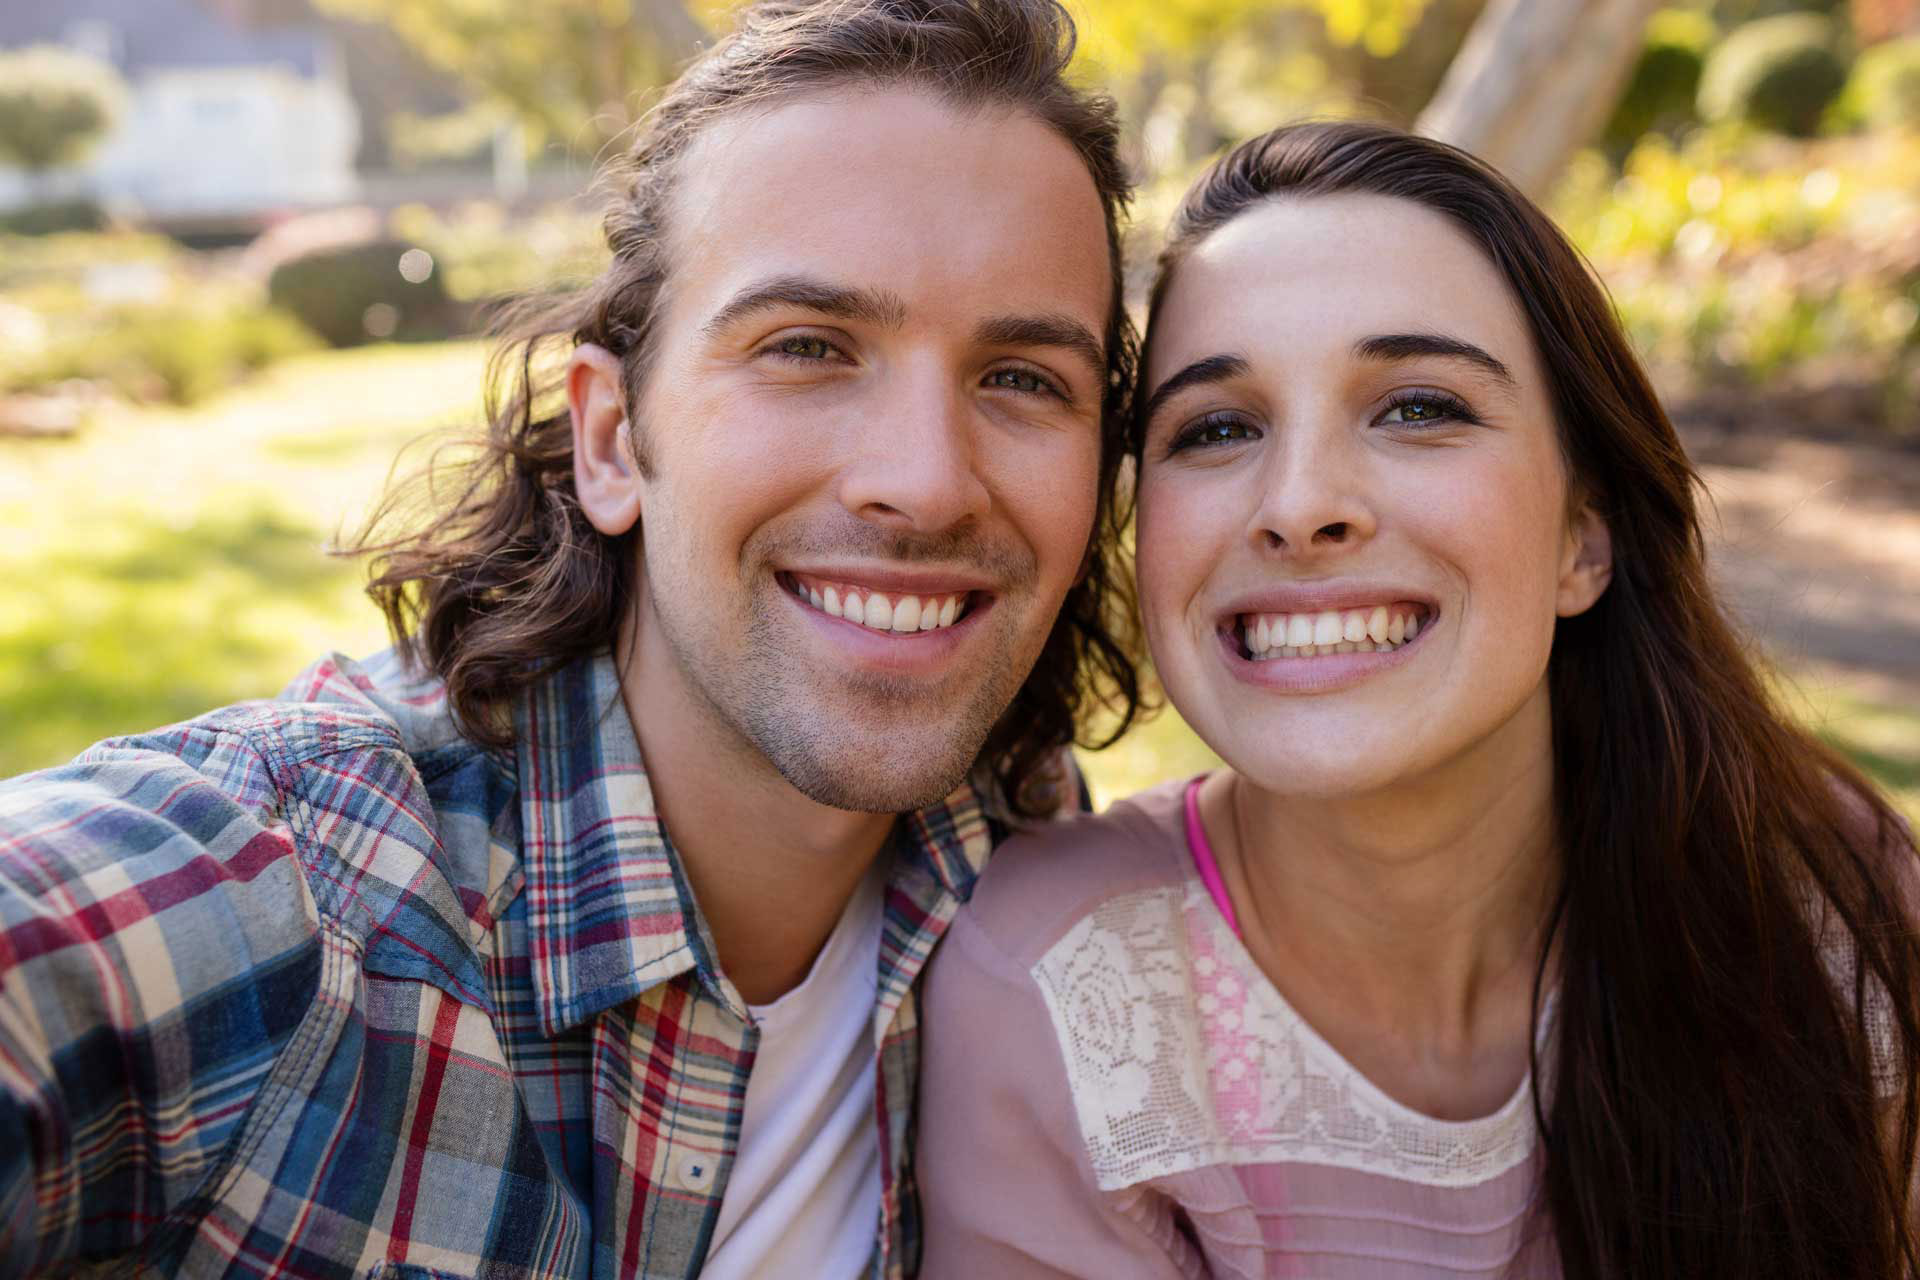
(1535, 80)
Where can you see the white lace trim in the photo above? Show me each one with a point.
(1180, 1054)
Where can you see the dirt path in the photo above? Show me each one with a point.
(1818, 545)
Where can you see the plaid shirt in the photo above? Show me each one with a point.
(319, 988)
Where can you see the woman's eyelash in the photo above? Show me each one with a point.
(1210, 430)
(1424, 408)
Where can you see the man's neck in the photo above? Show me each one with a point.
(771, 869)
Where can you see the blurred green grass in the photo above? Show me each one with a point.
(167, 561)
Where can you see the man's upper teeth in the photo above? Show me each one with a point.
(877, 609)
(1307, 635)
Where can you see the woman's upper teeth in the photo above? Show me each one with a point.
(1306, 635)
(879, 610)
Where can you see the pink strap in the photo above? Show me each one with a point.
(1203, 860)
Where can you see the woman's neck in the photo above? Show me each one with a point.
(1405, 924)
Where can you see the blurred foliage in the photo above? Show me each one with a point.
(1777, 73)
(573, 76)
(55, 104)
(180, 353)
(1124, 38)
(1883, 90)
(482, 254)
(53, 217)
(367, 291)
(1660, 92)
(1743, 261)
(130, 312)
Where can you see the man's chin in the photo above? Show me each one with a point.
(896, 774)
(869, 790)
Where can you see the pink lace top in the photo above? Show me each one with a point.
(1111, 1087)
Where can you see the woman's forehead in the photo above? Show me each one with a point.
(1303, 278)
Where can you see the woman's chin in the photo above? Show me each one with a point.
(1327, 771)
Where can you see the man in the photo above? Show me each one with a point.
(580, 936)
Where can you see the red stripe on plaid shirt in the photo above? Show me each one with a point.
(425, 1107)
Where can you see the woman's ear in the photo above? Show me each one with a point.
(1587, 566)
(606, 476)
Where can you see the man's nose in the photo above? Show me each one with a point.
(1314, 495)
(915, 464)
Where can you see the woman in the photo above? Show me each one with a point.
(1521, 935)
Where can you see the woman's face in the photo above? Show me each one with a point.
(1354, 530)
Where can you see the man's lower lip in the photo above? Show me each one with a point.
(898, 650)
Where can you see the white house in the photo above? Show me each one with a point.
(223, 120)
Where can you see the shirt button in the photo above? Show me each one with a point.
(696, 1171)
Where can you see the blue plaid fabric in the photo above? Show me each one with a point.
(319, 988)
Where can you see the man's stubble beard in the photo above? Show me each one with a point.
(801, 725)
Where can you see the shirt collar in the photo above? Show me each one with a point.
(610, 913)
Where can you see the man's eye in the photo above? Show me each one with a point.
(1214, 429)
(801, 347)
(1025, 380)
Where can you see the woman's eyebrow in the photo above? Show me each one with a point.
(1218, 368)
(1405, 346)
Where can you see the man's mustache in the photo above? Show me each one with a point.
(1010, 566)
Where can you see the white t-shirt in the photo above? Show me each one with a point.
(804, 1195)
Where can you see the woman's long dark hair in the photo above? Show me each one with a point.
(1731, 1088)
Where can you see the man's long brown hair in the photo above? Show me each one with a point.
(502, 579)
(1730, 1085)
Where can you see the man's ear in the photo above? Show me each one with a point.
(606, 476)
(1587, 567)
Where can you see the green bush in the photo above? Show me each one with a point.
(53, 219)
(1884, 90)
(1774, 73)
(1660, 93)
(55, 104)
(357, 293)
(179, 354)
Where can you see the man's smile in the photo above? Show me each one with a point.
(896, 611)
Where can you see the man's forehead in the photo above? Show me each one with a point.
(895, 191)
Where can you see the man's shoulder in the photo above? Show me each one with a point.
(319, 791)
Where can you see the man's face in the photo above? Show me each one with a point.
(872, 431)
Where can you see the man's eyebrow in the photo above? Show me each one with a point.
(1405, 346)
(842, 302)
(1045, 331)
(1217, 368)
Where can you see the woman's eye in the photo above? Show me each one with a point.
(1215, 429)
(801, 347)
(1421, 409)
(1025, 380)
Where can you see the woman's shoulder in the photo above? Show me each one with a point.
(1046, 879)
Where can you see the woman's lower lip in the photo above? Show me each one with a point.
(1319, 674)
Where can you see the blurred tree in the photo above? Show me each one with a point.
(1193, 75)
(1660, 93)
(570, 71)
(55, 104)
(1535, 80)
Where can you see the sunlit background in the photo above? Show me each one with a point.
(244, 244)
